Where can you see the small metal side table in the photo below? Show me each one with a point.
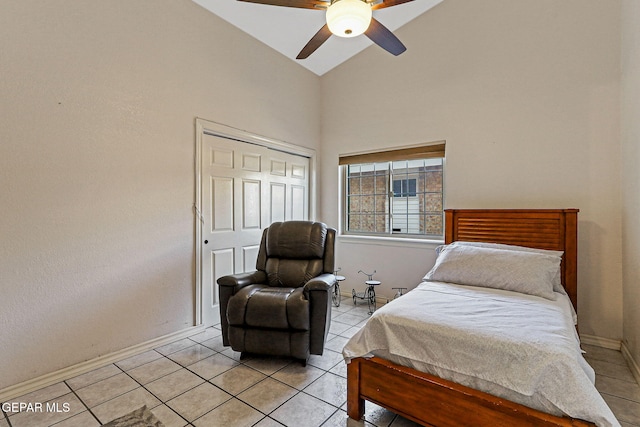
(399, 293)
(369, 293)
(335, 295)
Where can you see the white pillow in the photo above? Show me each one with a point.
(557, 281)
(529, 273)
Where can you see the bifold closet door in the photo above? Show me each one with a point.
(245, 187)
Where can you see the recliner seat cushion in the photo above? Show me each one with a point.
(261, 306)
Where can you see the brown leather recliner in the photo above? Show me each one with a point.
(283, 308)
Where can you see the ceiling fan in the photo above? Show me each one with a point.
(346, 18)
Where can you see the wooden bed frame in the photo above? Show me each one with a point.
(433, 401)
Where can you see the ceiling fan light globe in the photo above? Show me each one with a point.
(348, 18)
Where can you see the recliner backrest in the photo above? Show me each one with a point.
(292, 252)
(296, 240)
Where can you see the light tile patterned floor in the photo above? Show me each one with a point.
(198, 382)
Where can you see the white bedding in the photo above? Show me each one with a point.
(520, 347)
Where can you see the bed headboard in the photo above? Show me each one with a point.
(555, 229)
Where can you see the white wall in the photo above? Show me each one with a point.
(631, 175)
(98, 101)
(526, 95)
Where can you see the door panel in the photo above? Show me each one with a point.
(251, 204)
(221, 204)
(221, 158)
(278, 168)
(222, 263)
(298, 198)
(298, 171)
(249, 257)
(251, 162)
(278, 202)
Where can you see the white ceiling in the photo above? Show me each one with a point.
(288, 29)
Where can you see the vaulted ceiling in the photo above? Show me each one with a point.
(288, 29)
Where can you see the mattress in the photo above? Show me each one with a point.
(515, 346)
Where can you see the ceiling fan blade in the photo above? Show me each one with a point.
(388, 3)
(304, 4)
(384, 38)
(315, 42)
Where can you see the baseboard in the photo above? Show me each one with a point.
(600, 342)
(633, 365)
(84, 367)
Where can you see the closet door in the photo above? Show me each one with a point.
(245, 187)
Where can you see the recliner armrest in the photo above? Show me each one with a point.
(229, 285)
(324, 282)
(318, 292)
(241, 280)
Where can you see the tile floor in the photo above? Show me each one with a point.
(198, 382)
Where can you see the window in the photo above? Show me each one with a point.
(404, 187)
(387, 195)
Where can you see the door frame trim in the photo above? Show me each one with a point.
(208, 127)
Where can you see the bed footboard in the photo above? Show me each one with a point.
(432, 401)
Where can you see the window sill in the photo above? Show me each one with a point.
(390, 241)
